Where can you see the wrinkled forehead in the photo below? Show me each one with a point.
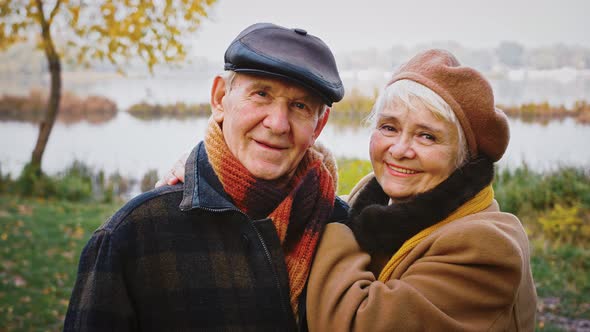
(277, 85)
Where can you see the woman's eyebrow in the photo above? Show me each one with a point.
(423, 126)
(387, 118)
(430, 128)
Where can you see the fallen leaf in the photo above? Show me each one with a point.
(25, 210)
(19, 281)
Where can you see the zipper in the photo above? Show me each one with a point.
(266, 253)
(274, 273)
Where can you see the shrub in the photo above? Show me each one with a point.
(79, 182)
(523, 188)
(148, 180)
(75, 184)
(32, 182)
(566, 225)
(350, 171)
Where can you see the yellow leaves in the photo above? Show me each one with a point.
(69, 255)
(107, 9)
(111, 30)
(4, 236)
(75, 12)
(75, 232)
(47, 290)
(564, 224)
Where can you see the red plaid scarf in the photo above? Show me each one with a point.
(299, 209)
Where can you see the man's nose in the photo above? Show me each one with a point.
(277, 119)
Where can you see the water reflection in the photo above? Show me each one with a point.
(134, 146)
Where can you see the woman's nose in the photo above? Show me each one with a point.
(401, 147)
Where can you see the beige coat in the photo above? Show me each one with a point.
(470, 275)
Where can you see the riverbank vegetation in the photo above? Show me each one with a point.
(544, 112)
(72, 108)
(147, 111)
(351, 111)
(43, 230)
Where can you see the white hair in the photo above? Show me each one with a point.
(405, 90)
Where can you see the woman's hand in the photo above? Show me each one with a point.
(175, 174)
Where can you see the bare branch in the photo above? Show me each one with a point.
(54, 11)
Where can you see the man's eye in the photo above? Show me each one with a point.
(262, 93)
(301, 106)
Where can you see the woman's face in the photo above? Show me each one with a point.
(412, 151)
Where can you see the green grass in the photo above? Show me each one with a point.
(40, 245)
(563, 273)
(41, 240)
(350, 171)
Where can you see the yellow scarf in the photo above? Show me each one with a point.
(478, 203)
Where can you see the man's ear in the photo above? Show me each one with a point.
(321, 123)
(217, 94)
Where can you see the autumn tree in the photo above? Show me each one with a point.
(112, 30)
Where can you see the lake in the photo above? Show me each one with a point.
(132, 146)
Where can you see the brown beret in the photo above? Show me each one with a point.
(468, 93)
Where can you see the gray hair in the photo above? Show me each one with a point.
(405, 89)
(230, 75)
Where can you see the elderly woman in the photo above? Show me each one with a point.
(427, 247)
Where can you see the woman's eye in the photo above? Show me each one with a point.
(428, 137)
(387, 130)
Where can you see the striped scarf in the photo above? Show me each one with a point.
(299, 208)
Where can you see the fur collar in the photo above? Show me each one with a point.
(381, 229)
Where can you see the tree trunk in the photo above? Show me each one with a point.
(54, 97)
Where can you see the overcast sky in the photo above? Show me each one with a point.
(347, 25)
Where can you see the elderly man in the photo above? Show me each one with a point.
(231, 249)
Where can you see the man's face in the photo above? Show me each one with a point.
(268, 124)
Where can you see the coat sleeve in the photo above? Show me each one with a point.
(100, 300)
(463, 281)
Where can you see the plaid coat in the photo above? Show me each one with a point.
(182, 258)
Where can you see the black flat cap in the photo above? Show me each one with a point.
(292, 54)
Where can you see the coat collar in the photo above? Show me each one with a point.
(382, 229)
(202, 188)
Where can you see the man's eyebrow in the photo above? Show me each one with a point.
(308, 97)
(260, 85)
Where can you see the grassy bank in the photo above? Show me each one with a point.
(41, 240)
